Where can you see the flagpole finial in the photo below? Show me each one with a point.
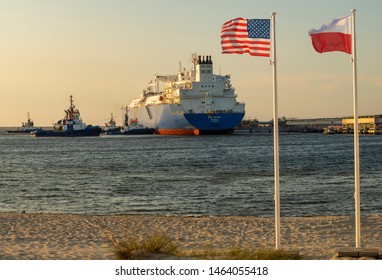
(353, 11)
(273, 13)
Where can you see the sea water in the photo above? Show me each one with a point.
(188, 175)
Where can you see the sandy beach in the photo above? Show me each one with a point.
(41, 236)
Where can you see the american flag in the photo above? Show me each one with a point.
(246, 36)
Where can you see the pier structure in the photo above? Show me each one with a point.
(309, 125)
(371, 124)
(289, 125)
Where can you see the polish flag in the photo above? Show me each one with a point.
(333, 36)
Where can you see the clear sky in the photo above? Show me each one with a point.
(104, 52)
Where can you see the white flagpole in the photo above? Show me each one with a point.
(275, 137)
(357, 192)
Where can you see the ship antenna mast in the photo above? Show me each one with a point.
(71, 108)
(71, 103)
(194, 60)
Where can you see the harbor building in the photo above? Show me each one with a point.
(309, 125)
(366, 124)
(290, 125)
(370, 124)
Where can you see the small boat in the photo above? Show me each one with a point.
(130, 127)
(70, 126)
(135, 128)
(26, 127)
(332, 129)
(111, 127)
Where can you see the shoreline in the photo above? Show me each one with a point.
(48, 236)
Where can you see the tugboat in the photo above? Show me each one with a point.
(135, 128)
(129, 127)
(70, 126)
(111, 127)
(26, 127)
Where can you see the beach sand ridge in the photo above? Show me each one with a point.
(43, 236)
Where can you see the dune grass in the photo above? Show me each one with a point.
(131, 249)
(137, 249)
(262, 254)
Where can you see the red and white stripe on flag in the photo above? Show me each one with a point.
(250, 36)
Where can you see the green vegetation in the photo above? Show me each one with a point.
(208, 253)
(159, 244)
(156, 244)
(262, 254)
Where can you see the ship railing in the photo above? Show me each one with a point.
(214, 112)
(151, 93)
(183, 85)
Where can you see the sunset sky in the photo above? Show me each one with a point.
(105, 53)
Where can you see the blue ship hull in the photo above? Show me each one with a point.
(134, 131)
(88, 131)
(218, 123)
(28, 130)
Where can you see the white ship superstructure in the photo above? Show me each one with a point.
(192, 102)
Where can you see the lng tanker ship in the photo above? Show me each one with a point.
(192, 102)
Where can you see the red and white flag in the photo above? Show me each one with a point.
(333, 36)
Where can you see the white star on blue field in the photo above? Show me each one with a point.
(259, 28)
